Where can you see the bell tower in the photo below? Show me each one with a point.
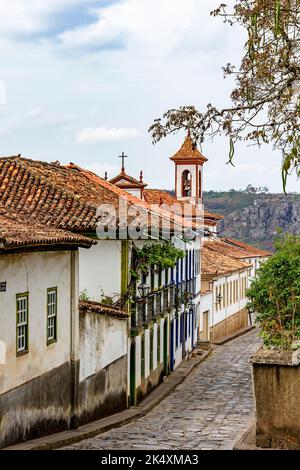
(189, 172)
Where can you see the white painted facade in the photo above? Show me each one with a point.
(100, 269)
(34, 273)
(233, 298)
(103, 340)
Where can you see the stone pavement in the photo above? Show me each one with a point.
(209, 410)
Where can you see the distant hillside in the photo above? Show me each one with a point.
(255, 217)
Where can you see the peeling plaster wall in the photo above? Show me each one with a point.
(103, 366)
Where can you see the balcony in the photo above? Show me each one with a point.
(151, 305)
(138, 315)
(158, 309)
(166, 299)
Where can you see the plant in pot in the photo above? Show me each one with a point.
(275, 296)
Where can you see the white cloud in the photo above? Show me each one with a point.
(158, 26)
(33, 119)
(31, 16)
(105, 134)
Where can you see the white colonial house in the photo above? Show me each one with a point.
(39, 328)
(223, 300)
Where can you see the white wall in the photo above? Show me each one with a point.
(103, 340)
(100, 269)
(34, 273)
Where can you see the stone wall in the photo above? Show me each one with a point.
(230, 325)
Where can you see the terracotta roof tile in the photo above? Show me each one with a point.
(214, 263)
(160, 196)
(102, 309)
(234, 248)
(250, 249)
(122, 179)
(65, 197)
(16, 234)
(189, 151)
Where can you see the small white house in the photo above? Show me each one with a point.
(223, 295)
(39, 328)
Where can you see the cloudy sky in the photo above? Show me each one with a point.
(82, 80)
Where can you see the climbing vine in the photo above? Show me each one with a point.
(162, 256)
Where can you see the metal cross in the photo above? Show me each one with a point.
(123, 156)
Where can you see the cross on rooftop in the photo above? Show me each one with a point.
(123, 156)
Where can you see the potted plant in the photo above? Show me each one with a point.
(275, 295)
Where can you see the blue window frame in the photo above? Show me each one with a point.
(186, 265)
(181, 328)
(177, 333)
(177, 272)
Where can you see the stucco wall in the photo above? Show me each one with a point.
(277, 405)
(103, 340)
(34, 273)
(100, 269)
(103, 369)
(30, 404)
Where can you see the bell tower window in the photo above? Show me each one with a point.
(186, 184)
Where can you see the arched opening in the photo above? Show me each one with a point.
(132, 373)
(186, 184)
(200, 183)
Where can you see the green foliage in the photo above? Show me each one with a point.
(84, 295)
(106, 300)
(264, 103)
(163, 256)
(275, 295)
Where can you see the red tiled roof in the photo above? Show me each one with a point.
(103, 309)
(160, 196)
(189, 151)
(129, 181)
(235, 250)
(214, 263)
(65, 197)
(16, 234)
(253, 250)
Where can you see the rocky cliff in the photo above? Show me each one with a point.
(259, 218)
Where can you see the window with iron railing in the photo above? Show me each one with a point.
(166, 299)
(158, 303)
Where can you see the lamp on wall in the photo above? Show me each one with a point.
(143, 289)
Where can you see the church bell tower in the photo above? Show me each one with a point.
(189, 172)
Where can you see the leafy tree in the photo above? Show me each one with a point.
(265, 103)
(275, 295)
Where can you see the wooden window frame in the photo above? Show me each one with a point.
(21, 352)
(52, 316)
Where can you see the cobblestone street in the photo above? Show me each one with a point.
(209, 410)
